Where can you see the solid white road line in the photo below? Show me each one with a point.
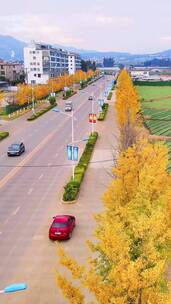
(30, 191)
(16, 210)
(40, 177)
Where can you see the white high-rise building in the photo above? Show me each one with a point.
(74, 63)
(43, 61)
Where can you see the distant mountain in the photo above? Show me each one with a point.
(12, 49)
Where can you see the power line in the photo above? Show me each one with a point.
(54, 165)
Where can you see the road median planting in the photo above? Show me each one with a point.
(69, 94)
(41, 112)
(109, 97)
(3, 135)
(72, 188)
(102, 114)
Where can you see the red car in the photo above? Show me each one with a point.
(62, 227)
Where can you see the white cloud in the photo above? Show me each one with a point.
(34, 27)
(114, 20)
(166, 38)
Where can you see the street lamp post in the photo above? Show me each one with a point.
(72, 133)
(32, 97)
(14, 288)
(92, 110)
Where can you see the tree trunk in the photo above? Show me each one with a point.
(140, 297)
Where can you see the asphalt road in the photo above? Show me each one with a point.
(28, 193)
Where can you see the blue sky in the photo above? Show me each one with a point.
(107, 25)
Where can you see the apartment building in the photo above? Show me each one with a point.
(74, 63)
(42, 62)
(11, 71)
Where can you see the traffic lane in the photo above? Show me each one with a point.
(34, 132)
(38, 238)
(32, 137)
(23, 207)
(51, 152)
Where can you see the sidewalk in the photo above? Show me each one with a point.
(40, 260)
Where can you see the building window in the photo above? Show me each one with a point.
(35, 75)
(39, 75)
(34, 57)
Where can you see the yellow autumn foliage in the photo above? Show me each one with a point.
(133, 233)
(26, 92)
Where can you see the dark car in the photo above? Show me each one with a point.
(68, 107)
(62, 227)
(16, 149)
(90, 98)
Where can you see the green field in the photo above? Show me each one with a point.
(151, 92)
(159, 104)
(157, 113)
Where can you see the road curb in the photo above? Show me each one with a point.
(68, 202)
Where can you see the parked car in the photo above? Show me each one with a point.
(90, 98)
(62, 227)
(16, 149)
(68, 107)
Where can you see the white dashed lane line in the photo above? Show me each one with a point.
(40, 177)
(16, 210)
(30, 191)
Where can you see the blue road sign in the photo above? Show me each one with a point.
(75, 153)
(69, 152)
(72, 152)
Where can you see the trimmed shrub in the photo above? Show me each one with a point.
(69, 93)
(40, 113)
(3, 135)
(109, 97)
(72, 188)
(52, 100)
(102, 115)
(152, 83)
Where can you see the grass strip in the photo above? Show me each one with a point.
(102, 114)
(41, 112)
(3, 135)
(72, 188)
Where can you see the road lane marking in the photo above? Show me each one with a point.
(15, 170)
(6, 221)
(30, 191)
(16, 210)
(56, 155)
(40, 177)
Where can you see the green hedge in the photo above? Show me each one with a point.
(152, 83)
(73, 187)
(3, 135)
(109, 97)
(41, 112)
(102, 115)
(69, 94)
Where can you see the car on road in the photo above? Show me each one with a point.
(68, 107)
(62, 227)
(90, 98)
(16, 149)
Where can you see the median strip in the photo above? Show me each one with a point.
(40, 113)
(102, 114)
(72, 188)
(3, 135)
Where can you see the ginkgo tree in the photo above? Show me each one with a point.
(25, 92)
(128, 107)
(130, 254)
